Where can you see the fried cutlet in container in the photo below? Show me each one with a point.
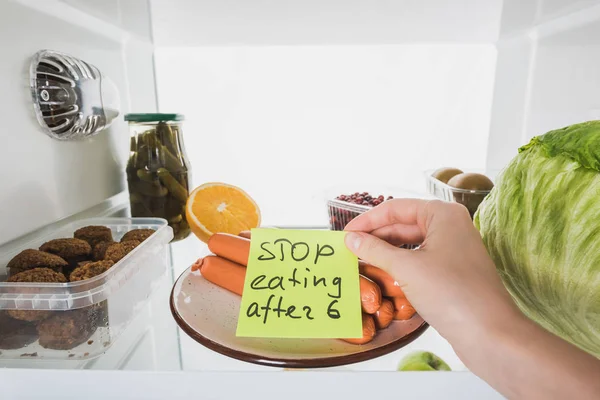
(94, 234)
(90, 270)
(30, 259)
(15, 334)
(39, 275)
(82, 263)
(71, 249)
(65, 330)
(100, 250)
(137, 234)
(116, 251)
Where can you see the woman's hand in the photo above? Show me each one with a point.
(453, 284)
(450, 280)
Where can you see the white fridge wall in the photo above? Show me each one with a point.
(511, 88)
(565, 81)
(323, 22)
(287, 99)
(44, 179)
(544, 77)
(547, 74)
(288, 122)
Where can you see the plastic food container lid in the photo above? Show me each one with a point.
(156, 117)
(74, 295)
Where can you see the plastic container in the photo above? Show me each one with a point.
(88, 316)
(158, 170)
(342, 212)
(469, 198)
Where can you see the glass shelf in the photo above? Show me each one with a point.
(154, 342)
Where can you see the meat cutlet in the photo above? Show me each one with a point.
(82, 263)
(35, 275)
(90, 270)
(137, 234)
(65, 330)
(96, 313)
(38, 275)
(94, 234)
(30, 259)
(71, 249)
(100, 250)
(15, 334)
(117, 251)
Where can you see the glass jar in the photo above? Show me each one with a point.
(158, 171)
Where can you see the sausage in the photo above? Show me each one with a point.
(385, 315)
(230, 276)
(222, 272)
(245, 234)
(369, 331)
(231, 247)
(237, 249)
(404, 310)
(389, 286)
(370, 295)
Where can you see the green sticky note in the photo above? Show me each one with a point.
(300, 284)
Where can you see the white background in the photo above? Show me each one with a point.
(296, 102)
(287, 123)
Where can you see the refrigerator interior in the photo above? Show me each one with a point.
(295, 101)
(44, 179)
(291, 101)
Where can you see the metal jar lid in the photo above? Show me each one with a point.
(155, 117)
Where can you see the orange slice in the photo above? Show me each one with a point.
(220, 208)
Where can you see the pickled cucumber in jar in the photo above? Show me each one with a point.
(158, 171)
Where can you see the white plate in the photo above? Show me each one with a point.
(209, 314)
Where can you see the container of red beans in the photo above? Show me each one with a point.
(345, 207)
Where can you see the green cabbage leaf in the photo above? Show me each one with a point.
(541, 226)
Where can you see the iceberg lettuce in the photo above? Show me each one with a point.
(541, 226)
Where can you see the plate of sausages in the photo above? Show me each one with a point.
(205, 303)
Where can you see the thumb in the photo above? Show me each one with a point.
(375, 251)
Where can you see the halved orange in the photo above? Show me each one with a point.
(220, 208)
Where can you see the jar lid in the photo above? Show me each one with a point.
(153, 117)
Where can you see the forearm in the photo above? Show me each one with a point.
(522, 360)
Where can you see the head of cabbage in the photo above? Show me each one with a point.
(541, 226)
